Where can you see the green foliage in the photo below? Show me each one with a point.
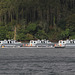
(10, 35)
(62, 24)
(37, 19)
(71, 22)
(72, 37)
(41, 34)
(31, 27)
(2, 33)
(29, 37)
(21, 37)
(65, 34)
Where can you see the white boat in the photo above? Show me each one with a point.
(65, 43)
(10, 43)
(70, 43)
(40, 43)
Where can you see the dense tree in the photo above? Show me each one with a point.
(44, 19)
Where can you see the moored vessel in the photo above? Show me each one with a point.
(65, 44)
(10, 43)
(40, 43)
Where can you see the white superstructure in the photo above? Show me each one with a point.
(40, 43)
(66, 43)
(10, 43)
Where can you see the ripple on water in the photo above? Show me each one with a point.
(44, 63)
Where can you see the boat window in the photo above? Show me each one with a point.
(10, 41)
(43, 41)
(71, 41)
(31, 41)
(60, 42)
(15, 41)
(34, 42)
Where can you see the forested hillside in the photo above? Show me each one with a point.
(37, 19)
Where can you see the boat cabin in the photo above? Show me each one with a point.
(34, 42)
(9, 42)
(64, 42)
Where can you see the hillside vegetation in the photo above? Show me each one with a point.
(37, 19)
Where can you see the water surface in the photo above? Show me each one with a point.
(26, 61)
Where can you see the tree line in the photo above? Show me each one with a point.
(37, 19)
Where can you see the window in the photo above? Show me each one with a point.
(10, 41)
(31, 41)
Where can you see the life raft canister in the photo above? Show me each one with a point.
(23, 45)
(60, 45)
(31, 44)
(26, 45)
(2, 46)
(55, 45)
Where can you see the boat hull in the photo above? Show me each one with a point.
(70, 46)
